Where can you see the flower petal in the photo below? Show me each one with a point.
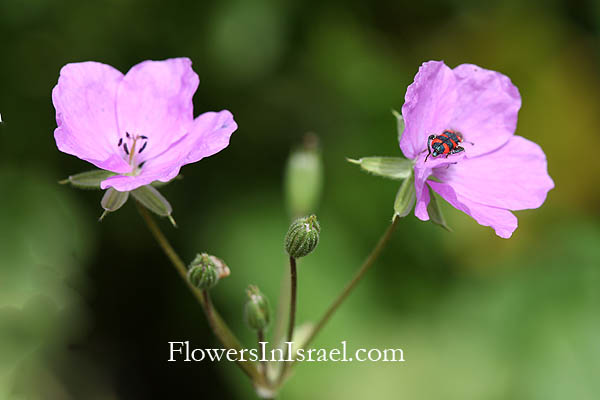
(486, 108)
(84, 99)
(423, 170)
(502, 221)
(428, 107)
(210, 134)
(514, 177)
(155, 100)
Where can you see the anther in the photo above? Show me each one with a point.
(143, 137)
(120, 142)
(125, 148)
(143, 147)
(127, 134)
(141, 164)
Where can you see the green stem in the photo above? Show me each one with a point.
(218, 326)
(357, 277)
(292, 320)
(261, 338)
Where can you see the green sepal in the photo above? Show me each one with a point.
(88, 179)
(112, 201)
(405, 199)
(389, 167)
(151, 198)
(435, 212)
(399, 122)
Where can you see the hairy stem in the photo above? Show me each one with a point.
(218, 326)
(292, 319)
(350, 286)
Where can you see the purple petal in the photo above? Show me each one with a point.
(486, 108)
(513, 177)
(209, 134)
(428, 107)
(125, 183)
(155, 100)
(84, 99)
(423, 169)
(422, 203)
(502, 221)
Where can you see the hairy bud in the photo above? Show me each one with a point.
(256, 310)
(302, 237)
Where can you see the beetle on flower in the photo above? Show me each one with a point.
(496, 174)
(138, 127)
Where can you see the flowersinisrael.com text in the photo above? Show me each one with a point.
(182, 351)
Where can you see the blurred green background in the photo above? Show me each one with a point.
(87, 308)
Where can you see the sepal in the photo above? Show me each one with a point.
(435, 212)
(88, 179)
(112, 201)
(389, 167)
(151, 198)
(405, 198)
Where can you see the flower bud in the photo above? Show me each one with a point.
(302, 237)
(304, 178)
(206, 270)
(256, 310)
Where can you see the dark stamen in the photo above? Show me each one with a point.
(143, 147)
(143, 137)
(127, 134)
(141, 164)
(125, 148)
(120, 142)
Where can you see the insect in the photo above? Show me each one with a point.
(445, 143)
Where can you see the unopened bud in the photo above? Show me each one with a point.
(256, 310)
(304, 178)
(206, 270)
(302, 237)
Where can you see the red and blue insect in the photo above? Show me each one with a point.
(446, 143)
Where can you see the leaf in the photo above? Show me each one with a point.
(405, 199)
(400, 123)
(389, 167)
(435, 212)
(89, 179)
(151, 198)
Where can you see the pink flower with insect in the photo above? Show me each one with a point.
(139, 126)
(497, 172)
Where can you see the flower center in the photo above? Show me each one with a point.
(130, 144)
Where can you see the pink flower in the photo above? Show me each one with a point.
(499, 172)
(139, 125)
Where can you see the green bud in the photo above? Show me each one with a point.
(257, 310)
(304, 178)
(302, 237)
(205, 271)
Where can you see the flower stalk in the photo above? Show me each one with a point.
(218, 326)
(353, 282)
